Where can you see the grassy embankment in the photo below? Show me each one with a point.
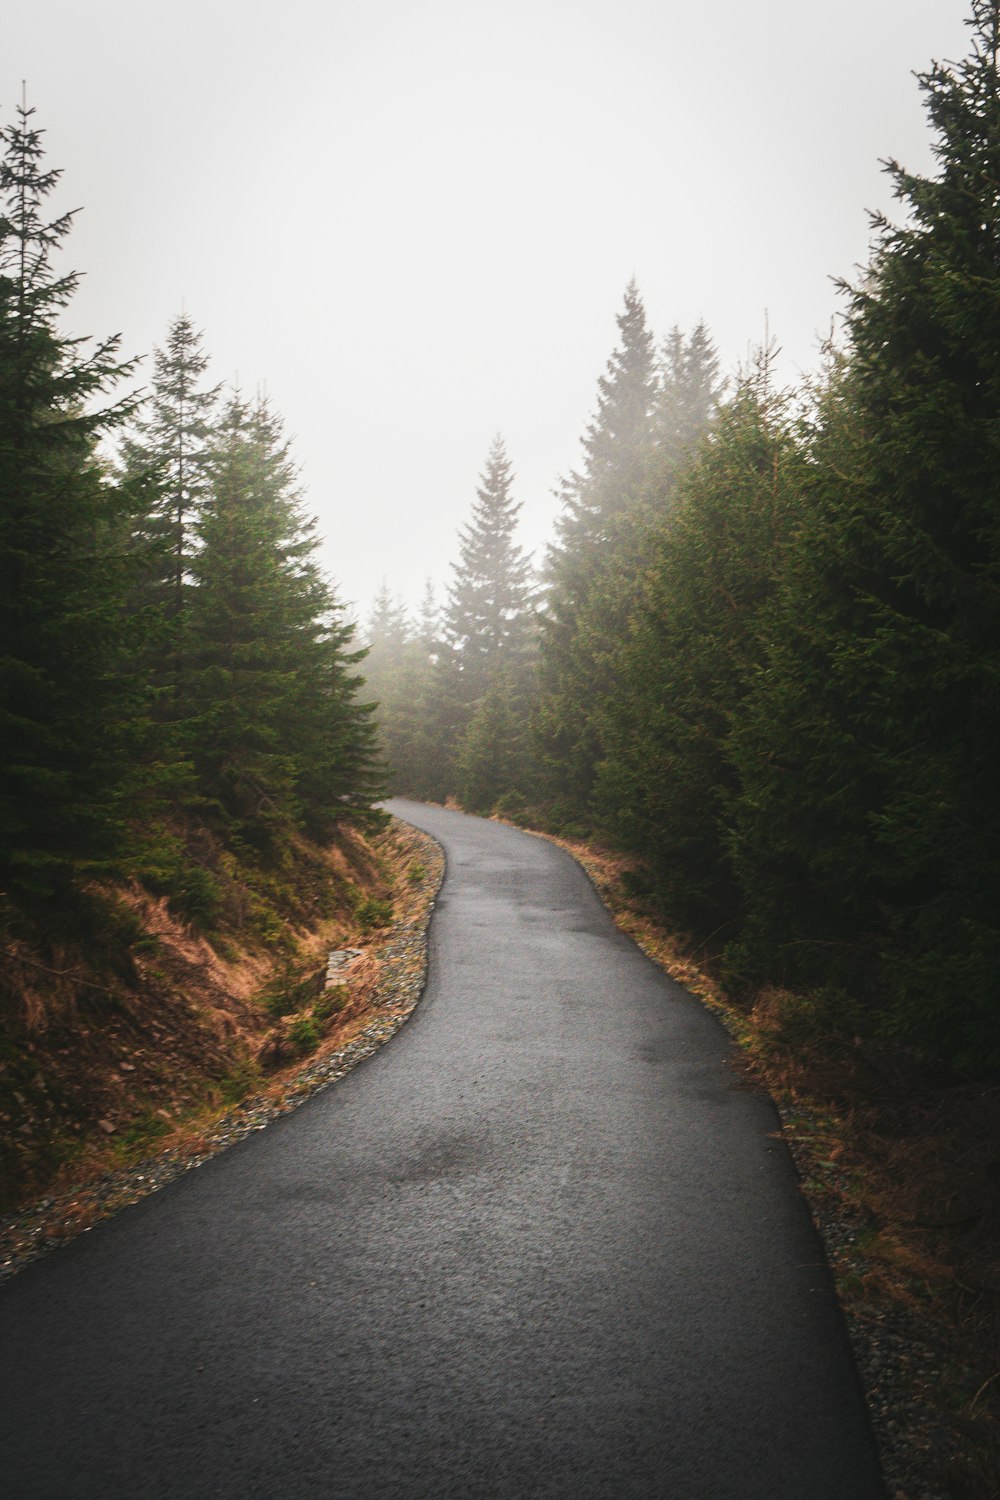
(900, 1167)
(132, 1039)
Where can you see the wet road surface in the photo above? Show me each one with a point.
(544, 1243)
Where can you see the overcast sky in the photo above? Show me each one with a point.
(414, 220)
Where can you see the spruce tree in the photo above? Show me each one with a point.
(617, 442)
(648, 418)
(666, 785)
(687, 397)
(389, 671)
(274, 728)
(494, 754)
(883, 675)
(487, 619)
(432, 691)
(67, 701)
(165, 462)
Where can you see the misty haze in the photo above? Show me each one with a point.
(500, 545)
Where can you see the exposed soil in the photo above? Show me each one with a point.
(902, 1177)
(97, 1080)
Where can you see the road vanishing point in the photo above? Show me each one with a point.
(544, 1243)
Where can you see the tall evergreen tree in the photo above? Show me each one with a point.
(426, 772)
(487, 619)
(884, 671)
(390, 680)
(66, 701)
(666, 786)
(165, 461)
(616, 444)
(494, 755)
(646, 422)
(687, 397)
(277, 735)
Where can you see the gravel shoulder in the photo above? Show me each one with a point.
(899, 1363)
(401, 959)
(904, 1352)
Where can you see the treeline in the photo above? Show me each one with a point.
(173, 660)
(764, 650)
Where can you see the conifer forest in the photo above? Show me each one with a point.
(761, 652)
(754, 671)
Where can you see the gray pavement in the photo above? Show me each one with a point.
(544, 1243)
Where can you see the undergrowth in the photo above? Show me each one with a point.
(911, 1153)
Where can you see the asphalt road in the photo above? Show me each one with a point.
(544, 1243)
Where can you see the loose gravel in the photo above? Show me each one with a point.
(402, 959)
(898, 1368)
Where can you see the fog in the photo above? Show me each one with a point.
(414, 222)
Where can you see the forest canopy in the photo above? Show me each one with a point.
(761, 652)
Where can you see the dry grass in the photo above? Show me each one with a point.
(914, 1166)
(97, 1070)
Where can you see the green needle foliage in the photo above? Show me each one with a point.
(171, 652)
(400, 671)
(274, 730)
(885, 676)
(488, 615)
(488, 620)
(650, 414)
(494, 757)
(665, 785)
(69, 708)
(165, 459)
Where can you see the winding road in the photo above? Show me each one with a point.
(544, 1243)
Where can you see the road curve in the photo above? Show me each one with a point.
(544, 1243)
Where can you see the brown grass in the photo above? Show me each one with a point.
(96, 1070)
(914, 1166)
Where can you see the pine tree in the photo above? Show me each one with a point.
(617, 441)
(494, 757)
(432, 692)
(617, 448)
(275, 732)
(487, 620)
(66, 699)
(646, 424)
(666, 786)
(882, 680)
(165, 463)
(687, 398)
(389, 680)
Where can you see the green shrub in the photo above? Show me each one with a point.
(374, 913)
(512, 806)
(304, 1034)
(330, 1002)
(290, 993)
(193, 893)
(243, 1079)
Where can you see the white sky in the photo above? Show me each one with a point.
(414, 222)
